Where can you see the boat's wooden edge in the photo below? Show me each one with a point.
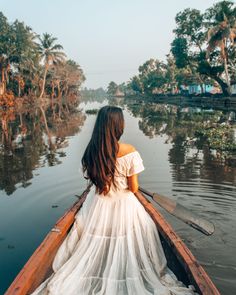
(197, 275)
(36, 272)
(36, 268)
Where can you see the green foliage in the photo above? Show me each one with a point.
(220, 11)
(190, 24)
(151, 78)
(5, 36)
(220, 138)
(136, 84)
(179, 49)
(205, 43)
(203, 129)
(112, 88)
(202, 52)
(29, 63)
(49, 51)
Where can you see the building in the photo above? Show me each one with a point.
(196, 89)
(233, 89)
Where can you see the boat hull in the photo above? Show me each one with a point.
(180, 260)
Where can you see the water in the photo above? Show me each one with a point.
(40, 178)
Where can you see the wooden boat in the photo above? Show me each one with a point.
(180, 260)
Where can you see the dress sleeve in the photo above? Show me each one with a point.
(135, 164)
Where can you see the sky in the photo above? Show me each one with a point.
(110, 39)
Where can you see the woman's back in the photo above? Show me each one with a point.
(128, 164)
(124, 149)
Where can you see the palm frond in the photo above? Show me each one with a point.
(57, 47)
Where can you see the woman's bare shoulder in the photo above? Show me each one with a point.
(125, 148)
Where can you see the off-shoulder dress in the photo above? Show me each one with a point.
(113, 247)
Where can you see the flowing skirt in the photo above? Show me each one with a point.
(113, 248)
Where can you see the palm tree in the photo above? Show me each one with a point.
(222, 33)
(50, 54)
(25, 50)
(7, 49)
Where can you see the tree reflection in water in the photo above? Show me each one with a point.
(192, 152)
(32, 138)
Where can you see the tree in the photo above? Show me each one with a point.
(50, 54)
(75, 76)
(6, 51)
(179, 49)
(112, 87)
(188, 46)
(17, 43)
(198, 37)
(152, 76)
(28, 67)
(222, 34)
(65, 78)
(25, 49)
(136, 84)
(171, 74)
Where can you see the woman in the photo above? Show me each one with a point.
(113, 247)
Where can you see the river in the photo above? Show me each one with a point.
(40, 176)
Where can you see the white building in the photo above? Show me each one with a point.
(233, 89)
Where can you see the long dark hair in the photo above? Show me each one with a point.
(99, 158)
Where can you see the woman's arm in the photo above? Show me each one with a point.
(133, 183)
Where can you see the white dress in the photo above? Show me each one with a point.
(113, 247)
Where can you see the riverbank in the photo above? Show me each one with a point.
(213, 101)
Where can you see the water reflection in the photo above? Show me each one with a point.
(202, 176)
(32, 138)
(192, 132)
(179, 163)
(193, 159)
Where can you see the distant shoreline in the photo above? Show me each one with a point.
(178, 99)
